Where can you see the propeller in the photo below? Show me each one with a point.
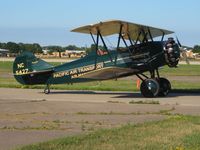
(183, 51)
(179, 44)
(185, 56)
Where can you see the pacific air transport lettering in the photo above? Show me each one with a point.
(99, 66)
(77, 72)
(61, 74)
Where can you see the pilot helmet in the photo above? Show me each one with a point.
(170, 39)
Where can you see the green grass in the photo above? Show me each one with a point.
(6, 66)
(174, 133)
(7, 80)
(182, 70)
(144, 102)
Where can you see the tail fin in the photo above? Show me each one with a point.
(28, 69)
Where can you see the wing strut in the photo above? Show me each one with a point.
(145, 39)
(126, 44)
(131, 42)
(150, 34)
(138, 38)
(104, 44)
(118, 42)
(97, 44)
(121, 37)
(92, 38)
(163, 36)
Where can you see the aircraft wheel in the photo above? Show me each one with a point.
(47, 90)
(150, 88)
(165, 87)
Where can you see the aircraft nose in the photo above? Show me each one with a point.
(172, 55)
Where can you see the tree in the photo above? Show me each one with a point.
(71, 47)
(54, 48)
(12, 47)
(21, 47)
(93, 48)
(196, 49)
(34, 48)
(37, 48)
(4, 45)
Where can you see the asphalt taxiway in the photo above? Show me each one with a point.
(29, 116)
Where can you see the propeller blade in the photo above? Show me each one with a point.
(185, 57)
(183, 51)
(178, 42)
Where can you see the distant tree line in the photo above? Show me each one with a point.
(36, 48)
(20, 47)
(61, 49)
(196, 49)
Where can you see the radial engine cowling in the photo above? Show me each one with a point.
(172, 54)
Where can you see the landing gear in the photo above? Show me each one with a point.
(47, 89)
(150, 88)
(165, 87)
(154, 86)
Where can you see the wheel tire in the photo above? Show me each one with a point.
(150, 88)
(165, 87)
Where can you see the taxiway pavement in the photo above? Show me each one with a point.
(29, 116)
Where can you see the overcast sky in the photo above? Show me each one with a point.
(48, 22)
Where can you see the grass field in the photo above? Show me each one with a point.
(175, 133)
(7, 80)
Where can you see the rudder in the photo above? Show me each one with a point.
(29, 70)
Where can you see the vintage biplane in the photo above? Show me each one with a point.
(136, 52)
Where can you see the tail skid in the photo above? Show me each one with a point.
(30, 70)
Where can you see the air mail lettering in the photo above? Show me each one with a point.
(77, 75)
